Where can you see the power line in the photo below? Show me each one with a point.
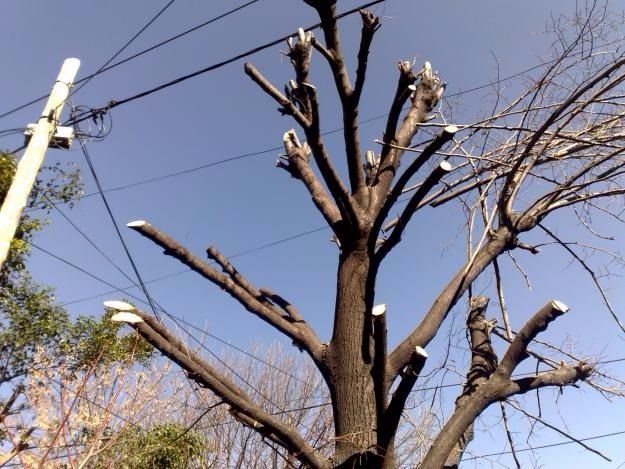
(273, 149)
(101, 252)
(91, 401)
(550, 445)
(89, 240)
(91, 113)
(106, 67)
(9, 132)
(132, 262)
(140, 279)
(324, 404)
(173, 38)
(175, 274)
(187, 171)
(126, 288)
(115, 103)
(171, 316)
(216, 163)
(119, 234)
(175, 319)
(123, 48)
(65, 261)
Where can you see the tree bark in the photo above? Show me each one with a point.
(350, 368)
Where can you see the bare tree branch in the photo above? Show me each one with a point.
(430, 181)
(299, 332)
(287, 106)
(423, 97)
(349, 96)
(297, 155)
(517, 351)
(500, 241)
(504, 416)
(590, 272)
(206, 376)
(370, 24)
(558, 430)
(499, 386)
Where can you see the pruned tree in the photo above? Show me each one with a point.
(556, 147)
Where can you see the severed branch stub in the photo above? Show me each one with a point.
(378, 315)
(517, 351)
(390, 420)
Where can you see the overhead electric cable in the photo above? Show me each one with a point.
(269, 150)
(89, 240)
(549, 445)
(324, 404)
(119, 234)
(210, 68)
(176, 318)
(106, 67)
(86, 80)
(186, 171)
(181, 272)
(470, 458)
(171, 316)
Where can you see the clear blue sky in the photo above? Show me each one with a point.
(247, 203)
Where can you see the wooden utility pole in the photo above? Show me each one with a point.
(30, 163)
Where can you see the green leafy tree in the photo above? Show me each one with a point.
(89, 342)
(29, 318)
(168, 445)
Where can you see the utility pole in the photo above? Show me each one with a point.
(29, 165)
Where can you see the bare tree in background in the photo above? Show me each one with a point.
(114, 415)
(556, 147)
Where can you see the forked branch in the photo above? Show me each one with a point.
(495, 384)
(499, 241)
(233, 283)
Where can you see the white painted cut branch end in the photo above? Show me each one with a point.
(560, 306)
(136, 224)
(379, 310)
(119, 305)
(127, 317)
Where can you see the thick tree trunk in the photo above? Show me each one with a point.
(350, 364)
